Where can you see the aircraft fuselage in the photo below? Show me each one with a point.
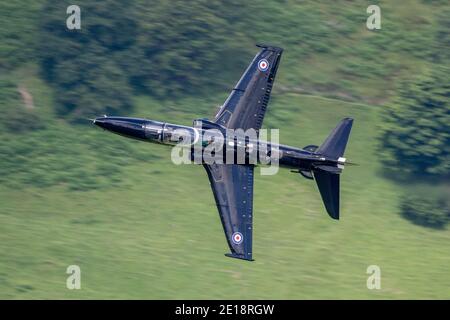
(173, 134)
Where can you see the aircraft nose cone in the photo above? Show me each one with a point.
(124, 126)
(101, 122)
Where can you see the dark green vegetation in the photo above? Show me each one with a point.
(72, 194)
(427, 210)
(417, 133)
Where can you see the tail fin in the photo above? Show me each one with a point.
(327, 177)
(334, 145)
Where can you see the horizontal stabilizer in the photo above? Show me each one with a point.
(328, 183)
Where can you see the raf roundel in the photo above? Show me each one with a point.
(237, 238)
(263, 65)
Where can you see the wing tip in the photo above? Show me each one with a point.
(238, 256)
(269, 47)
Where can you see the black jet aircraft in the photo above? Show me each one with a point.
(232, 184)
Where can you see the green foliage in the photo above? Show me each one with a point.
(165, 49)
(185, 47)
(416, 132)
(84, 65)
(300, 26)
(426, 209)
(18, 32)
(441, 48)
(66, 156)
(16, 117)
(170, 49)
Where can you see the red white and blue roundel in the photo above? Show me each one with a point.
(263, 65)
(237, 238)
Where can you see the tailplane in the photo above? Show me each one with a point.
(328, 183)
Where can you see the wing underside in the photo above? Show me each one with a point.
(232, 186)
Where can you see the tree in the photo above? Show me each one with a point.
(16, 116)
(17, 32)
(416, 132)
(431, 211)
(186, 46)
(160, 48)
(84, 66)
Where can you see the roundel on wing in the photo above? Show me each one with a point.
(263, 65)
(237, 238)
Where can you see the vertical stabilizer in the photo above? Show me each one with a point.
(334, 145)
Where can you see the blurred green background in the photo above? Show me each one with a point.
(142, 228)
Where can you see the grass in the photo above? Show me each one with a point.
(158, 235)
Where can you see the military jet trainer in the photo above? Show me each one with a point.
(232, 184)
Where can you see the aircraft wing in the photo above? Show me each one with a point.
(246, 105)
(232, 185)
